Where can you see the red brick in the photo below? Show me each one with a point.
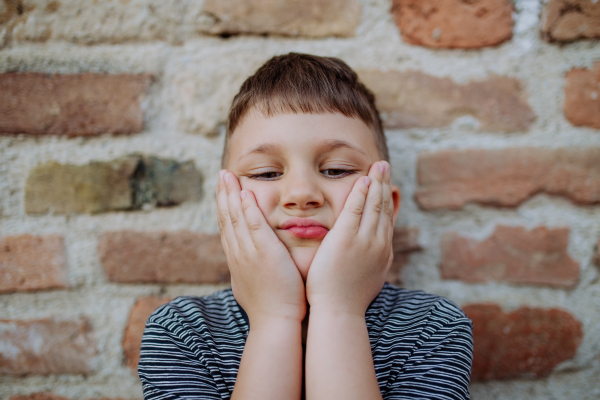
(582, 96)
(450, 179)
(568, 20)
(312, 18)
(132, 340)
(416, 100)
(511, 254)
(50, 396)
(462, 24)
(32, 263)
(72, 105)
(525, 343)
(38, 396)
(163, 257)
(46, 346)
(405, 242)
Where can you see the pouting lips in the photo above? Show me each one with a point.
(305, 228)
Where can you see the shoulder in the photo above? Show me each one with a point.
(402, 310)
(190, 312)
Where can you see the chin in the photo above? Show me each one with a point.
(303, 257)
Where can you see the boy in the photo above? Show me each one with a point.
(306, 213)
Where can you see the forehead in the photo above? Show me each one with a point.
(301, 132)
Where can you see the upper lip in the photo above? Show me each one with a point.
(301, 222)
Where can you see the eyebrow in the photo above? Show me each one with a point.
(334, 144)
(325, 146)
(264, 148)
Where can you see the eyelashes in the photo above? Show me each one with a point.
(330, 173)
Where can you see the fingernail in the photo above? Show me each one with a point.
(367, 180)
(381, 167)
(227, 178)
(221, 173)
(243, 194)
(387, 167)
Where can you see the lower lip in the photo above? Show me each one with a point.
(308, 232)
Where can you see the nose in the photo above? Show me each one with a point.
(301, 192)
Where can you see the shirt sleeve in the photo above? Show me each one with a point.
(169, 369)
(439, 368)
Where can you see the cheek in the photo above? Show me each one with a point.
(266, 195)
(338, 197)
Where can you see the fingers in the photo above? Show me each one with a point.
(375, 200)
(257, 224)
(350, 217)
(228, 238)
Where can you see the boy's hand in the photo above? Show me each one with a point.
(350, 266)
(264, 279)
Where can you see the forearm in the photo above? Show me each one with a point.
(339, 364)
(271, 365)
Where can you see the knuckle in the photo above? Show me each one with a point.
(254, 226)
(356, 209)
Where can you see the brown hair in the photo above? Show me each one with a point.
(303, 83)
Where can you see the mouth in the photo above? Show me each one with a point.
(305, 228)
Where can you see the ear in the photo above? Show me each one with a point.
(397, 199)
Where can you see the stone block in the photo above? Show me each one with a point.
(463, 24)
(416, 100)
(310, 18)
(32, 263)
(46, 346)
(128, 183)
(163, 257)
(525, 343)
(71, 105)
(569, 20)
(109, 22)
(404, 242)
(132, 339)
(511, 254)
(582, 96)
(450, 179)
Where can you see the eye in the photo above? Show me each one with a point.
(337, 172)
(266, 176)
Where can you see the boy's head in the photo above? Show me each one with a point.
(300, 132)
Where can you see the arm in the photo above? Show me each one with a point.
(346, 274)
(267, 284)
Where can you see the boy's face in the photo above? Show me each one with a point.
(301, 168)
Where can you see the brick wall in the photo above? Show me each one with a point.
(111, 129)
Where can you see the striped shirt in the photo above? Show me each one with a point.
(422, 346)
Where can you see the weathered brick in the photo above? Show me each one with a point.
(525, 343)
(132, 339)
(454, 23)
(312, 18)
(511, 254)
(165, 257)
(582, 95)
(50, 396)
(568, 20)
(413, 99)
(72, 105)
(32, 263)
(77, 22)
(128, 183)
(404, 242)
(38, 396)
(450, 179)
(46, 346)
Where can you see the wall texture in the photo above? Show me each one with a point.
(111, 129)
